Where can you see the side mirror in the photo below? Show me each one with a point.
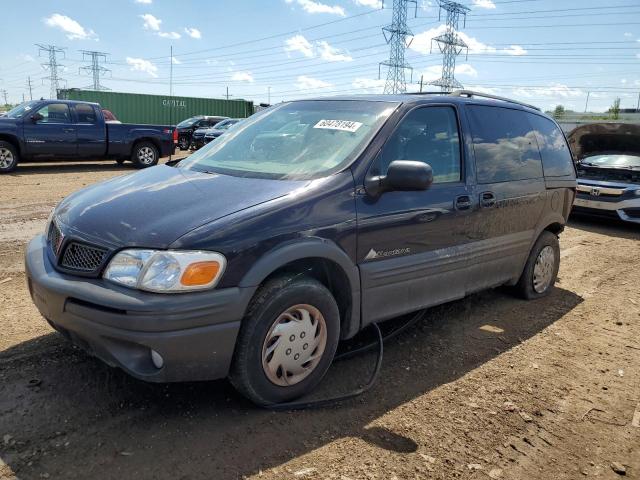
(402, 175)
(36, 117)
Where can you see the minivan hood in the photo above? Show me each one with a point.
(156, 206)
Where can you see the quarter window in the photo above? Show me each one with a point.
(556, 156)
(504, 144)
(429, 135)
(55, 113)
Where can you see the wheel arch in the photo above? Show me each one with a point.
(152, 140)
(322, 260)
(12, 140)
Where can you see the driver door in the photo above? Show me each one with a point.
(53, 135)
(411, 244)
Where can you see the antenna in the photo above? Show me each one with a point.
(396, 36)
(95, 68)
(450, 44)
(52, 66)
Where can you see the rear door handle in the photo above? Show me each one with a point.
(487, 199)
(463, 202)
(68, 130)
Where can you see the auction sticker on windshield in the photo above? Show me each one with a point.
(344, 125)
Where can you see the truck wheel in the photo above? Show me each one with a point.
(183, 144)
(145, 154)
(541, 270)
(8, 157)
(287, 340)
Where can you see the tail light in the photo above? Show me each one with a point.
(175, 135)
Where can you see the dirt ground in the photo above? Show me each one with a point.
(487, 387)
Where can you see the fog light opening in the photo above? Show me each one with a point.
(157, 359)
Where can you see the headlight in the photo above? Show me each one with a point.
(166, 271)
(638, 193)
(49, 220)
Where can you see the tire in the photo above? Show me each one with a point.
(145, 154)
(8, 157)
(539, 283)
(183, 143)
(252, 373)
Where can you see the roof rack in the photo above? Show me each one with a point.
(470, 93)
(427, 93)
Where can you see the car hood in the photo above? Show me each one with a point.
(602, 138)
(156, 206)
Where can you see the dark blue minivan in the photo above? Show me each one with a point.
(310, 220)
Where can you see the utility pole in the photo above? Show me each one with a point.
(30, 87)
(450, 44)
(94, 67)
(586, 105)
(4, 94)
(396, 36)
(421, 80)
(227, 94)
(53, 65)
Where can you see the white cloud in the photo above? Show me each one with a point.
(553, 90)
(332, 54)
(175, 61)
(305, 83)
(422, 41)
(142, 65)
(515, 50)
(171, 35)
(369, 85)
(300, 44)
(193, 32)
(484, 4)
(144, 2)
(369, 3)
(628, 34)
(73, 29)
(311, 6)
(26, 57)
(242, 77)
(434, 72)
(151, 22)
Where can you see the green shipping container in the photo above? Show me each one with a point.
(158, 109)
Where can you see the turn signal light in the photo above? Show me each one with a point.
(200, 273)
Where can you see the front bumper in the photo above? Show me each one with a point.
(608, 200)
(195, 333)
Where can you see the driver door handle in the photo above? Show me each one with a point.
(68, 130)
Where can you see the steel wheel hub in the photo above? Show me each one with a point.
(146, 155)
(6, 158)
(294, 345)
(543, 269)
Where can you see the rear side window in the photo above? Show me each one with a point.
(556, 156)
(504, 143)
(429, 135)
(85, 113)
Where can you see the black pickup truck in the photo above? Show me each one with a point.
(64, 129)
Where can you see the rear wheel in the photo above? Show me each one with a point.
(145, 154)
(8, 157)
(183, 143)
(287, 340)
(541, 270)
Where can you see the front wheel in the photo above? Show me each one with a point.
(541, 270)
(8, 157)
(287, 340)
(145, 154)
(183, 143)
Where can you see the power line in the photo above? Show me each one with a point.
(95, 68)
(52, 66)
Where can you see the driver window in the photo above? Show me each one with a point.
(55, 113)
(429, 135)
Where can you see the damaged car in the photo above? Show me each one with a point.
(608, 165)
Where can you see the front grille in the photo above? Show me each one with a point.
(54, 237)
(82, 258)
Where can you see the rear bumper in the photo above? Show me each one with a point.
(195, 333)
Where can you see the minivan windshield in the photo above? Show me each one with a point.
(299, 140)
(613, 161)
(21, 109)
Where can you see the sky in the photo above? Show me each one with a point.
(544, 52)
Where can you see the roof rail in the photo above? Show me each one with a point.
(470, 93)
(427, 93)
